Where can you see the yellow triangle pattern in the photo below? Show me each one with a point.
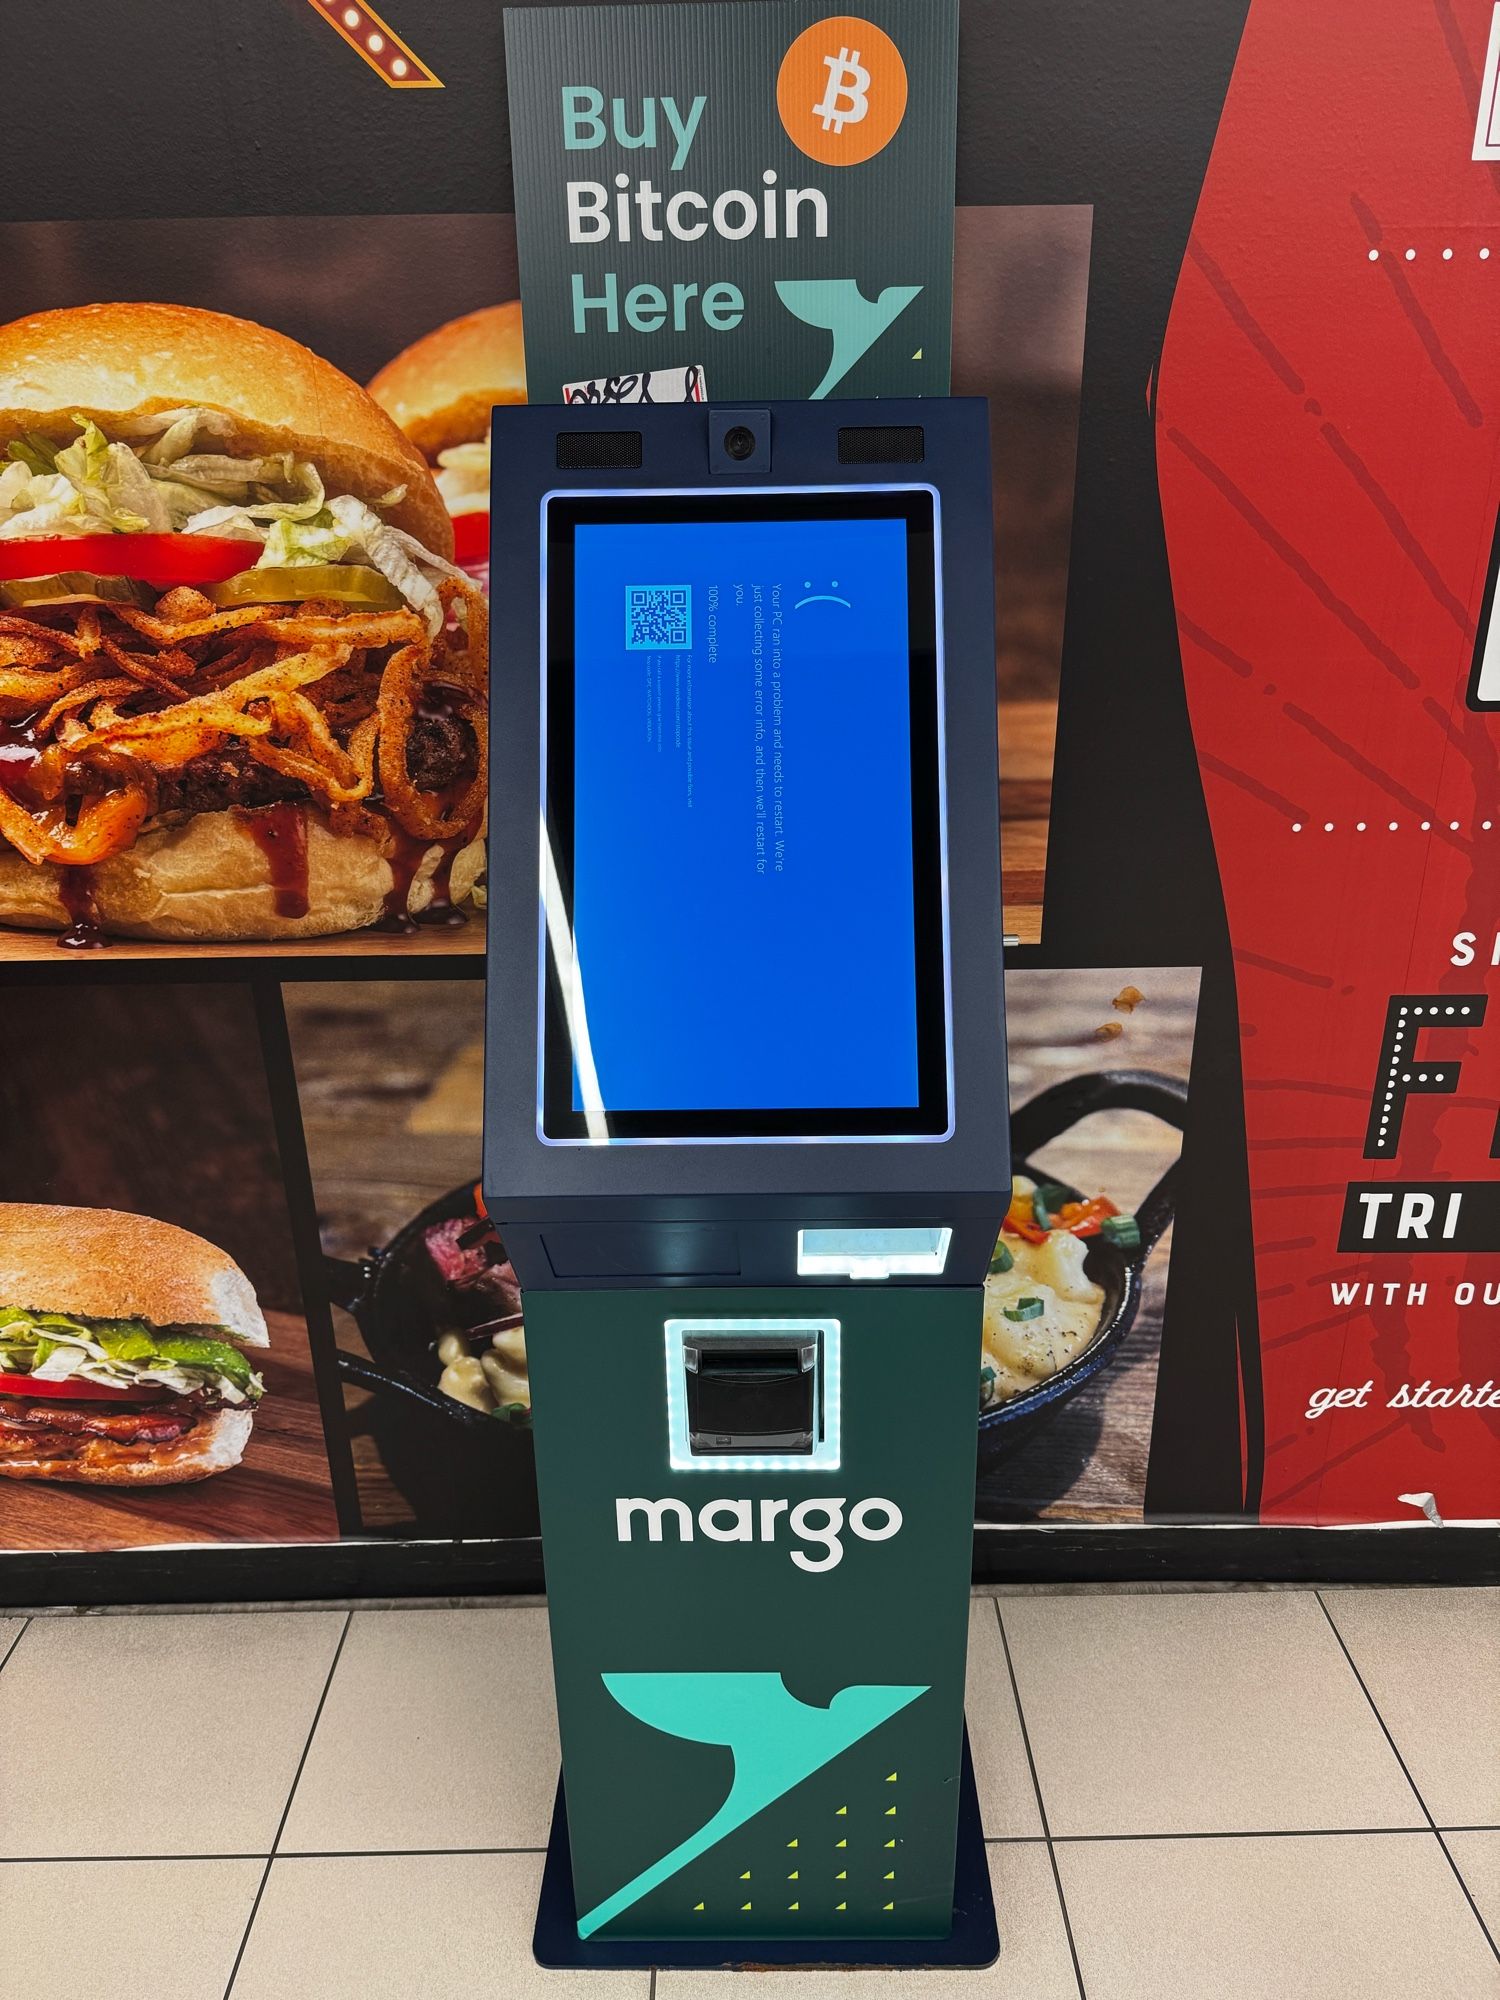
(888, 1906)
(795, 1875)
(746, 1876)
(890, 1843)
(891, 1779)
(791, 1843)
(841, 1812)
(890, 1875)
(841, 1906)
(841, 1843)
(890, 1812)
(842, 1876)
(745, 1906)
(697, 1906)
(794, 1906)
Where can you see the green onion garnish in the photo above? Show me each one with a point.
(1046, 1200)
(1024, 1309)
(1121, 1230)
(1002, 1259)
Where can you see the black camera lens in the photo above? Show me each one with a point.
(740, 442)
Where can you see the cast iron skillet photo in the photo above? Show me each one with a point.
(467, 1472)
(1118, 1272)
(462, 1471)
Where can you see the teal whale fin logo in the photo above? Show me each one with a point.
(777, 1741)
(855, 322)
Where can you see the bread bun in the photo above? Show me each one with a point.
(132, 360)
(209, 879)
(442, 388)
(215, 1442)
(103, 1263)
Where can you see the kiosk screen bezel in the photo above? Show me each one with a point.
(930, 1119)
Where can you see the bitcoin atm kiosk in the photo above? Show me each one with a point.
(746, 1142)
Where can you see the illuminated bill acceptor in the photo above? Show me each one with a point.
(745, 1136)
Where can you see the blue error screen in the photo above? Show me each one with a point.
(750, 818)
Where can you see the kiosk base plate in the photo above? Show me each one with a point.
(974, 1940)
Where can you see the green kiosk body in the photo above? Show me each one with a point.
(746, 1143)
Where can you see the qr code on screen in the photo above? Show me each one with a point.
(658, 614)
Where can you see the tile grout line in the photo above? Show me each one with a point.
(110, 1860)
(234, 1970)
(990, 1840)
(14, 1643)
(1416, 1793)
(314, 1854)
(1036, 1786)
(1233, 1833)
(388, 1853)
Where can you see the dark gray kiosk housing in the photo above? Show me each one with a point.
(746, 1144)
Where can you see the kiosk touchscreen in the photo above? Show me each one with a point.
(743, 777)
(745, 1140)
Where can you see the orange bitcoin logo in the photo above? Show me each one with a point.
(841, 91)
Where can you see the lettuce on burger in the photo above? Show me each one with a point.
(441, 390)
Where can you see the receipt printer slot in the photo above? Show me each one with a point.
(753, 1393)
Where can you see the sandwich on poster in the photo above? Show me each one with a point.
(122, 1345)
(242, 681)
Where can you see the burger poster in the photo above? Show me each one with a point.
(759, 196)
(245, 691)
(1226, 280)
(161, 1379)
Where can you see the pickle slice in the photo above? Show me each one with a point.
(74, 586)
(347, 583)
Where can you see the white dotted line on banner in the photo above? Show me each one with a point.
(1392, 826)
(1409, 256)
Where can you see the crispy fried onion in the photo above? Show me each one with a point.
(104, 823)
(81, 639)
(404, 687)
(106, 702)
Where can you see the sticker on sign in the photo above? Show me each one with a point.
(651, 385)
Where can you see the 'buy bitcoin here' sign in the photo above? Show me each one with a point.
(760, 193)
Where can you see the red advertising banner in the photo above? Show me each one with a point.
(1324, 424)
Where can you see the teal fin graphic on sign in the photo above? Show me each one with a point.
(777, 1741)
(855, 322)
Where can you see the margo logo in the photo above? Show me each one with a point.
(818, 1522)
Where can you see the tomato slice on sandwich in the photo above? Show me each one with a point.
(471, 538)
(163, 561)
(78, 1389)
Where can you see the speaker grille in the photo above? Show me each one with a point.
(882, 444)
(598, 451)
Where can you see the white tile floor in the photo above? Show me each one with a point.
(1251, 1795)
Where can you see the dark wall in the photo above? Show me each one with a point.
(151, 1099)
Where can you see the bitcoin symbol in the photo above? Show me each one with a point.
(841, 109)
(847, 78)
